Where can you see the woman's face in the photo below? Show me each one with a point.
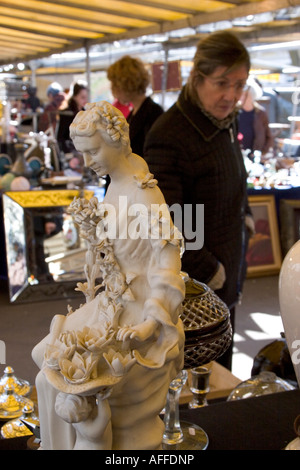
(220, 93)
(81, 99)
(100, 156)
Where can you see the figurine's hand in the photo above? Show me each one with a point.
(140, 332)
(125, 333)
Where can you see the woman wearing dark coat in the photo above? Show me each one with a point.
(193, 151)
(129, 81)
(76, 103)
(140, 123)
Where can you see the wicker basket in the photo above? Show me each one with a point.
(206, 320)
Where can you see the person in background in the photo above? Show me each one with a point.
(32, 102)
(56, 98)
(193, 152)
(129, 82)
(124, 108)
(253, 120)
(76, 102)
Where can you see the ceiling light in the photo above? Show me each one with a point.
(291, 69)
(280, 45)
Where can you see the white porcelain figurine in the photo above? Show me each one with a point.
(105, 368)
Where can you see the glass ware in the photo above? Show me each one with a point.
(207, 326)
(20, 386)
(180, 435)
(208, 335)
(11, 404)
(173, 433)
(264, 383)
(199, 387)
(17, 427)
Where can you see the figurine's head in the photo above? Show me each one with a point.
(103, 117)
(101, 134)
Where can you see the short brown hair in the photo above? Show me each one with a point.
(129, 75)
(219, 49)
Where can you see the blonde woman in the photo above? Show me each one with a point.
(129, 82)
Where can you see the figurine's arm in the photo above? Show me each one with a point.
(167, 293)
(141, 332)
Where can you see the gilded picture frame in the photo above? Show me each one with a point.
(289, 223)
(264, 251)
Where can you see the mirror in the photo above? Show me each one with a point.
(45, 255)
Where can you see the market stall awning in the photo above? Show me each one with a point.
(31, 29)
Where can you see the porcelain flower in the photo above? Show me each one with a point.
(94, 339)
(68, 338)
(92, 208)
(119, 363)
(54, 352)
(80, 369)
(116, 126)
(115, 284)
(110, 310)
(52, 356)
(75, 206)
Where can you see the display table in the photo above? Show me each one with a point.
(261, 423)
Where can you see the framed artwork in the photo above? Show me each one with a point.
(172, 76)
(264, 252)
(289, 223)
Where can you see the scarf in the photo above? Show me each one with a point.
(219, 123)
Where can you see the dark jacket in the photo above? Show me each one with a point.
(141, 122)
(66, 117)
(195, 162)
(262, 138)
